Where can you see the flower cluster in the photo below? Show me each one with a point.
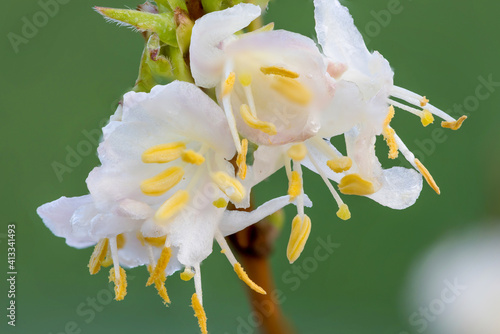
(174, 156)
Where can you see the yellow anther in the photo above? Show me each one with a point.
(120, 283)
(281, 71)
(426, 117)
(156, 241)
(230, 186)
(162, 264)
(228, 85)
(163, 153)
(423, 101)
(172, 206)
(427, 176)
(160, 286)
(192, 157)
(223, 251)
(344, 212)
(256, 123)
(108, 260)
(295, 185)
(292, 89)
(98, 255)
(244, 277)
(454, 125)
(199, 313)
(354, 184)
(220, 203)
(300, 232)
(245, 79)
(390, 135)
(120, 241)
(297, 152)
(187, 274)
(340, 165)
(163, 182)
(241, 160)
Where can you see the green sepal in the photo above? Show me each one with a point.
(184, 28)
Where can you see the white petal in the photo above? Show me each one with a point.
(108, 225)
(337, 34)
(57, 214)
(208, 37)
(132, 209)
(234, 221)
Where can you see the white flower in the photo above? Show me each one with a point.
(271, 84)
(160, 196)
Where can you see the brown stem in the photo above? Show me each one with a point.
(195, 9)
(254, 245)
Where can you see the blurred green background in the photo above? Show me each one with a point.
(69, 77)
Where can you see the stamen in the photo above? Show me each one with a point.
(340, 165)
(220, 203)
(228, 85)
(281, 71)
(428, 177)
(120, 241)
(230, 186)
(354, 184)
(344, 212)
(163, 182)
(172, 206)
(389, 134)
(160, 267)
(297, 152)
(454, 125)
(236, 265)
(160, 286)
(292, 90)
(423, 101)
(256, 123)
(199, 313)
(245, 79)
(295, 185)
(241, 160)
(120, 282)
(192, 157)
(187, 274)
(427, 118)
(156, 241)
(163, 153)
(301, 227)
(98, 255)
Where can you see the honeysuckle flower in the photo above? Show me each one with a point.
(159, 198)
(272, 85)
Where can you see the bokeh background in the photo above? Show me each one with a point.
(66, 81)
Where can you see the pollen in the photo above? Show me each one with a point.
(281, 71)
(192, 157)
(160, 287)
(340, 165)
(161, 265)
(427, 118)
(297, 152)
(256, 123)
(120, 283)
(228, 85)
(428, 177)
(295, 185)
(389, 135)
(199, 313)
(354, 184)
(454, 125)
(230, 186)
(156, 241)
(241, 160)
(163, 153)
(301, 227)
(172, 206)
(120, 241)
(244, 277)
(424, 101)
(220, 203)
(292, 89)
(163, 182)
(187, 274)
(344, 212)
(98, 255)
(245, 79)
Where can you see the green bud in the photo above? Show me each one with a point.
(161, 24)
(180, 69)
(184, 28)
(159, 66)
(212, 5)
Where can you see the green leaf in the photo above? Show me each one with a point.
(161, 24)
